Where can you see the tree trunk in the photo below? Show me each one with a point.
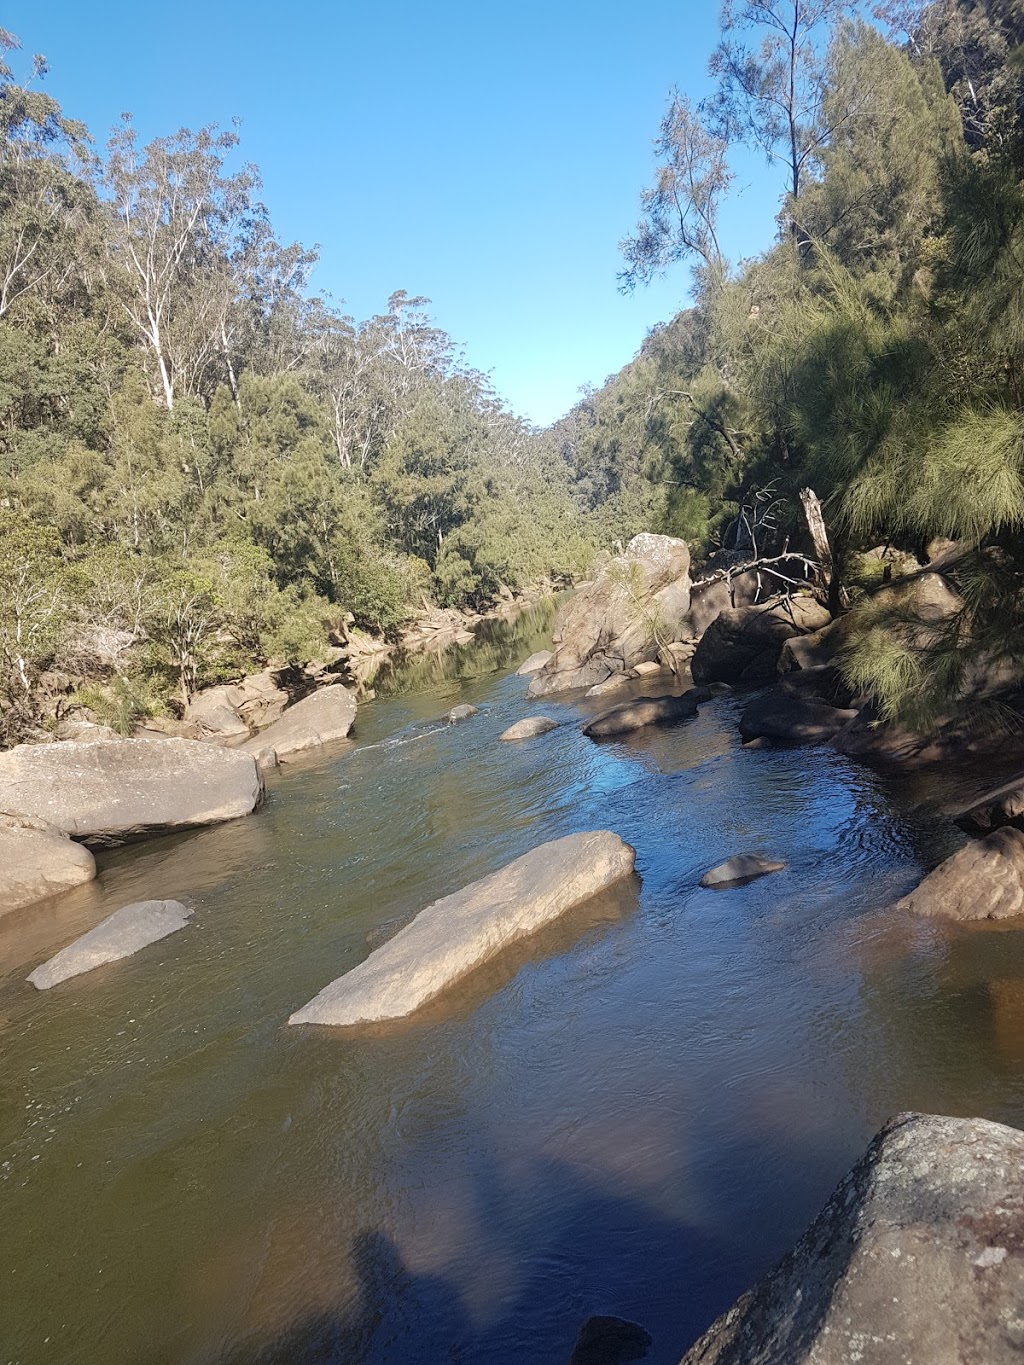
(814, 517)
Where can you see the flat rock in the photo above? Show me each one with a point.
(37, 861)
(640, 712)
(918, 1257)
(118, 789)
(534, 663)
(215, 714)
(450, 938)
(529, 728)
(788, 718)
(119, 935)
(461, 712)
(612, 684)
(982, 880)
(650, 668)
(744, 867)
(322, 718)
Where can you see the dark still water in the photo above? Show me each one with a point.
(635, 1116)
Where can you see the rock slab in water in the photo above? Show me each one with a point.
(640, 712)
(451, 937)
(610, 1341)
(788, 718)
(322, 718)
(982, 880)
(529, 728)
(534, 663)
(121, 788)
(37, 861)
(744, 867)
(622, 618)
(119, 935)
(917, 1257)
(461, 712)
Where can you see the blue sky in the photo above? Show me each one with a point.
(488, 156)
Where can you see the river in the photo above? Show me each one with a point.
(636, 1115)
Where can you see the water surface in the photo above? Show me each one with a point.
(634, 1115)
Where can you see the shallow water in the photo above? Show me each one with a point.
(635, 1115)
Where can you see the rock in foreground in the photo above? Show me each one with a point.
(918, 1257)
(451, 937)
(529, 728)
(322, 718)
(744, 867)
(118, 789)
(640, 712)
(37, 861)
(119, 935)
(982, 880)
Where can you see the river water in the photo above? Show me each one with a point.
(635, 1115)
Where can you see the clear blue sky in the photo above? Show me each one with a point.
(489, 156)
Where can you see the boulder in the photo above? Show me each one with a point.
(789, 718)
(610, 1341)
(1004, 805)
(529, 728)
(744, 867)
(119, 935)
(613, 684)
(917, 1257)
(215, 716)
(534, 663)
(237, 710)
(983, 880)
(322, 718)
(461, 712)
(450, 938)
(677, 655)
(639, 712)
(709, 600)
(118, 789)
(743, 644)
(649, 669)
(635, 605)
(37, 861)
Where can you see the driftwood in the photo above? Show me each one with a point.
(762, 565)
(815, 519)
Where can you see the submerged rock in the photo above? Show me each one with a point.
(983, 880)
(113, 790)
(917, 1257)
(451, 937)
(534, 663)
(37, 860)
(529, 728)
(635, 604)
(788, 718)
(640, 712)
(119, 935)
(610, 1341)
(744, 867)
(743, 644)
(322, 718)
(461, 712)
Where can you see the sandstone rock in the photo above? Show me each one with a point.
(238, 709)
(610, 1341)
(983, 880)
(1002, 806)
(461, 712)
(677, 655)
(917, 1257)
(789, 718)
(649, 669)
(744, 867)
(322, 718)
(85, 731)
(743, 644)
(118, 789)
(529, 728)
(119, 935)
(709, 600)
(635, 604)
(166, 727)
(643, 711)
(613, 684)
(37, 861)
(451, 937)
(815, 650)
(212, 711)
(534, 663)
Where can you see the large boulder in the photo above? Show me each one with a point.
(639, 712)
(983, 880)
(1004, 805)
(118, 789)
(119, 935)
(237, 710)
(317, 720)
(917, 1257)
(743, 644)
(635, 605)
(787, 717)
(37, 861)
(450, 938)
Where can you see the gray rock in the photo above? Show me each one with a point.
(650, 668)
(212, 711)
(612, 684)
(610, 1341)
(529, 728)
(534, 663)
(1004, 805)
(320, 719)
(743, 644)
(119, 935)
(37, 861)
(450, 938)
(235, 710)
(983, 880)
(744, 867)
(461, 712)
(114, 790)
(635, 604)
(640, 712)
(788, 718)
(917, 1257)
